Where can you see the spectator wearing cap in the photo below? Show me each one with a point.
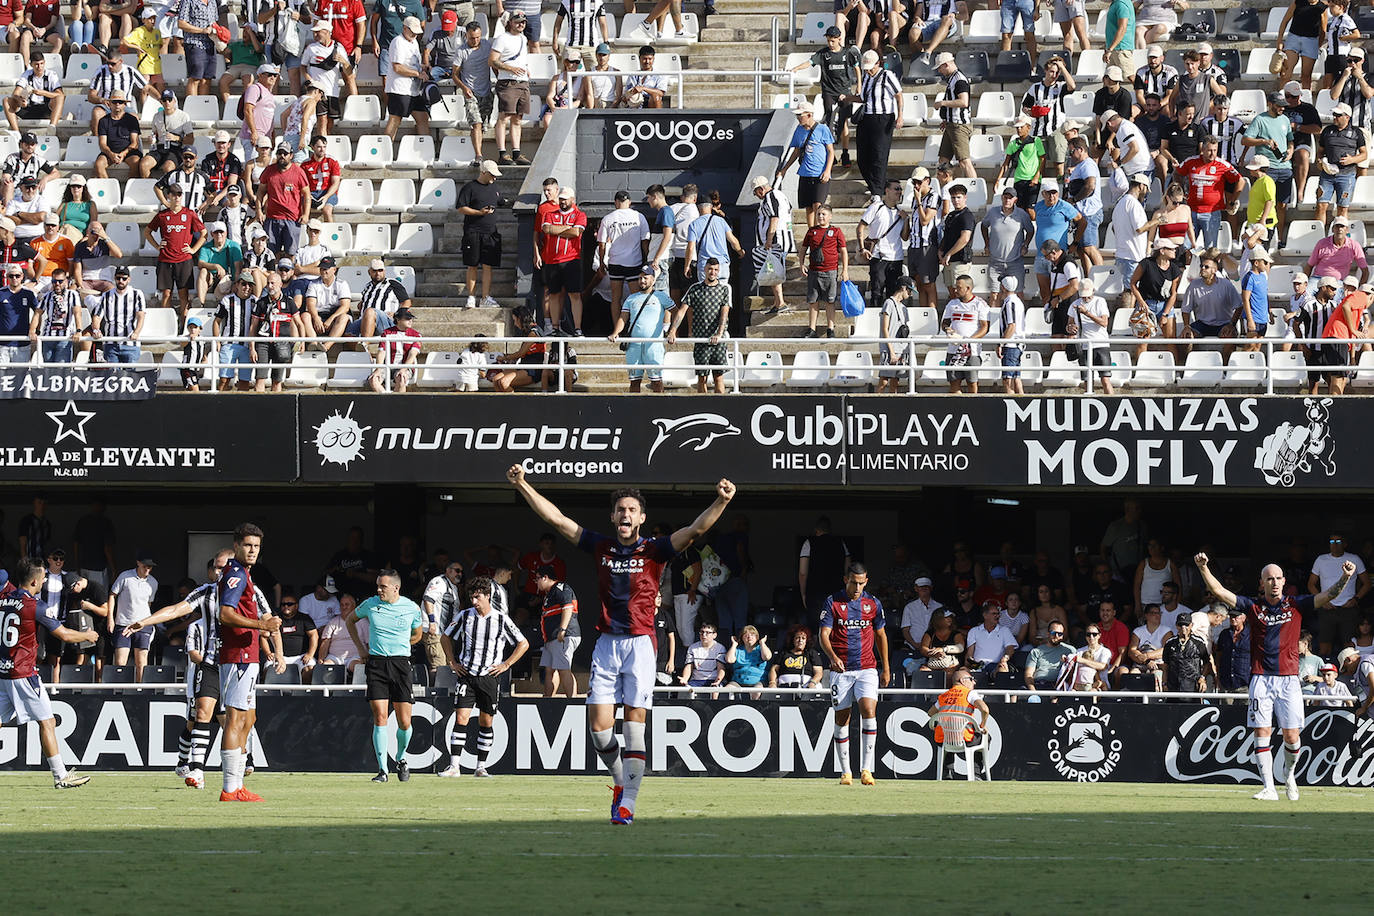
(1350, 84)
(37, 95)
(222, 167)
(118, 320)
(197, 20)
(642, 319)
(1312, 322)
(956, 115)
(113, 78)
(328, 67)
(1254, 297)
(275, 322)
(1262, 209)
(26, 164)
(607, 81)
(644, 88)
(1083, 187)
(1300, 38)
(195, 356)
(1156, 77)
(471, 71)
(328, 303)
(559, 626)
(444, 47)
(824, 262)
(1335, 691)
(812, 147)
(310, 255)
(879, 233)
(119, 136)
(233, 319)
(1338, 254)
(17, 252)
(1154, 287)
(195, 187)
(217, 263)
(561, 226)
(1340, 29)
(568, 89)
(1341, 148)
(146, 41)
(1187, 658)
(1304, 294)
(181, 234)
(509, 59)
(405, 80)
(840, 74)
(481, 242)
(916, 618)
(1094, 316)
(283, 202)
(1055, 221)
(397, 355)
(17, 306)
(242, 57)
(236, 216)
(1130, 150)
(1026, 160)
(1271, 137)
(259, 106)
(55, 248)
(1232, 655)
(1307, 124)
(173, 134)
(26, 208)
(880, 95)
(325, 176)
(379, 302)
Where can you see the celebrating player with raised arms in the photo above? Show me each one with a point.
(629, 568)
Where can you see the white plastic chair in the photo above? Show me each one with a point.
(455, 152)
(677, 371)
(952, 726)
(362, 111)
(436, 194)
(352, 370)
(203, 110)
(370, 239)
(810, 369)
(762, 369)
(853, 369)
(440, 370)
(415, 152)
(995, 109)
(355, 196)
(1154, 369)
(105, 192)
(1202, 369)
(308, 370)
(414, 240)
(374, 152)
(339, 238)
(81, 153)
(396, 195)
(1245, 370)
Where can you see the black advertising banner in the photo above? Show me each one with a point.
(170, 439)
(656, 140)
(1071, 740)
(112, 383)
(573, 439)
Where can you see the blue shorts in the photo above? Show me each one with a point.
(931, 28)
(1011, 357)
(644, 359)
(140, 640)
(1338, 188)
(316, 201)
(384, 322)
(1302, 45)
(1156, 307)
(232, 354)
(122, 353)
(1012, 9)
(200, 57)
(1092, 231)
(292, 60)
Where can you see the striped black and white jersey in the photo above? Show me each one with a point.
(581, 16)
(1228, 131)
(480, 641)
(1215, 72)
(195, 187)
(128, 81)
(385, 295)
(119, 311)
(927, 236)
(235, 314)
(1312, 317)
(252, 10)
(48, 82)
(260, 259)
(195, 637)
(1360, 109)
(775, 204)
(59, 311)
(272, 30)
(196, 355)
(21, 168)
(236, 221)
(1158, 83)
(203, 599)
(879, 91)
(1013, 313)
(956, 85)
(1047, 99)
(444, 598)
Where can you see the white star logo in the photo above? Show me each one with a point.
(70, 422)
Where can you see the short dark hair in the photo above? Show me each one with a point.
(317, 138)
(629, 493)
(856, 569)
(1078, 143)
(550, 180)
(481, 585)
(957, 189)
(647, 49)
(26, 570)
(389, 573)
(655, 189)
(246, 530)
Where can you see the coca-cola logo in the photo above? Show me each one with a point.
(1337, 750)
(1084, 746)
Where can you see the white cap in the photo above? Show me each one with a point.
(315, 224)
(223, 137)
(1292, 87)
(1341, 221)
(1261, 254)
(413, 24)
(1342, 109)
(869, 59)
(1165, 243)
(50, 219)
(321, 26)
(803, 107)
(760, 181)
(1048, 184)
(943, 58)
(490, 168)
(1114, 74)
(217, 226)
(1155, 51)
(376, 264)
(1110, 116)
(1086, 288)
(1300, 278)
(1258, 162)
(1349, 281)
(1025, 120)
(1010, 284)
(1328, 281)
(1141, 178)
(1204, 48)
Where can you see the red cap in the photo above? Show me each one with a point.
(448, 21)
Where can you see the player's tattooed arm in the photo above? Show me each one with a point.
(542, 507)
(725, 491)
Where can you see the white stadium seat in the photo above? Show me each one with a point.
(105, 192)
(810, 369)
(371, 239)
(1245, 370)
(762, 369)
(362, 111)
(436, 195)
(1154, 369)
(355, 196)
(415, 152)
(455, 152)
(308, 370)
(414, 240)
(995, 109)
(351, 370)
(440, 370)
(339, 238)
(1303, 236)
(853, 369)
(374, 151)
(396, 195)
(81, 69)
(1202, 369)
(160, 324)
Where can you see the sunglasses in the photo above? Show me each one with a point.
(1056, 632)
(1094, 633)
(288, 604)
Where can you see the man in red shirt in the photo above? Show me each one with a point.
(1213, 187)
(349, 22)
(561, 251)
(531, 561)
(182, 235)
(324, 174)
(283, 202)
(41, 23)
(399, 351)
(824, 264)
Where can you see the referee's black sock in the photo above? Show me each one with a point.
(485, 736)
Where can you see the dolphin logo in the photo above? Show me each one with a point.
(699, 428)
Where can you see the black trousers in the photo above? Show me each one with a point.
(874, 142)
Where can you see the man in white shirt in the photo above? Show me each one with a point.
(1132, 150)
(403, 83)
(1084, 186)
(1338, 620)
(965, 320)
(1130, 227)
(623, 242)
(989, 647)
(880, 241)
(1145, 652)
(510, 60)
(131, 598)
(326, 65)
(322, 604)
(328, 304)
(309, 255)
(916, 617)
(1093, 317)
(37, 95)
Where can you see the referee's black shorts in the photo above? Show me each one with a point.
(388, 678)
(481, 691)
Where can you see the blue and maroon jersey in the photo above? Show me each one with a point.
(628, 580)
(238, 645)
(852, 626)
(19, 623)
(1274, 630)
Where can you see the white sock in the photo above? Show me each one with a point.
(869, 728)
(1266, 764)
(842, 747)
(233, 780)
(609, 751)
(1290, 762)
(634, 762)
(59, 769)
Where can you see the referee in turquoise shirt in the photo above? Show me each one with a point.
(393, 627)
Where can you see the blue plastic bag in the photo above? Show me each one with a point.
(851, 302)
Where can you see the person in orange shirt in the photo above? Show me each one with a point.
(962, 697)
(1343, 325)
(57, 248)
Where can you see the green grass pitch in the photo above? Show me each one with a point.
(140, 843)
